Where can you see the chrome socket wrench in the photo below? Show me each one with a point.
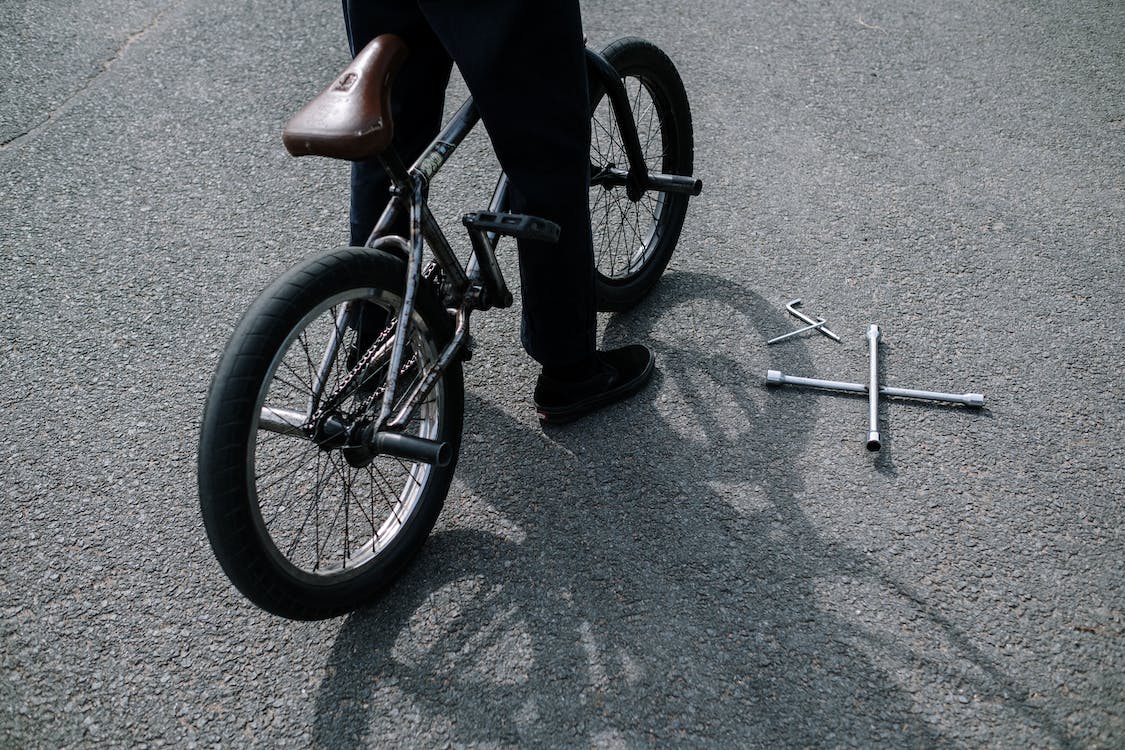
(873, 442)
(776, 377)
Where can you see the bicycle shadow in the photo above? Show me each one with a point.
(639, 590)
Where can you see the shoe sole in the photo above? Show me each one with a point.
(565, 414)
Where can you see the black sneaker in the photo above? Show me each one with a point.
(618, 374)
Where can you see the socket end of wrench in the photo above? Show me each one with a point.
(774, 377)
(974, 399)
(873, 441)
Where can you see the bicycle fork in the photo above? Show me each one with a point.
(637, 180)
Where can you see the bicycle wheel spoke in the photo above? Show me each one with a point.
(262, 488)
(391, 503)
(309, 367)
(343, 514)
(326, 533)
(345, 548)
(313, 513)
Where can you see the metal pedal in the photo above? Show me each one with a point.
(520, 226)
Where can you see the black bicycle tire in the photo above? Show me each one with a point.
(637, 58)
(226, 502)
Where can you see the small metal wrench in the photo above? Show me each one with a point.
(792, 308)
(818, 325)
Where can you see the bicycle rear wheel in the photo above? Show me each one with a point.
(634, 240)
(303, 521)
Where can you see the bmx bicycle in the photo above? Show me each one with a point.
(333, 422)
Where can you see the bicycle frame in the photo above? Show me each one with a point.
(463, 286)
(334, 419)
(479, 284)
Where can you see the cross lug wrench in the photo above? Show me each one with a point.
(873, 389)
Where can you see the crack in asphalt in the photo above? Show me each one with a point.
(106, 65)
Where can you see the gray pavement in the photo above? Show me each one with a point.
(713, 564)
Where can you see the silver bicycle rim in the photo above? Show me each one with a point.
(323, 517)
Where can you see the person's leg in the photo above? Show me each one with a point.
(524, 63)
(417, 99)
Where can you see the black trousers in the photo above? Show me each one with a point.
(523, 61)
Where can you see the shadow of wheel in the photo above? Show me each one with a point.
(476, 635)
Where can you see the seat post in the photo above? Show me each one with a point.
(402, 187)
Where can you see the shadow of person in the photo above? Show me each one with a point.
(646, 576)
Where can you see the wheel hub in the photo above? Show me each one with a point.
(330, 432)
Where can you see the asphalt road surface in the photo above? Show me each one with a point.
(712, 564)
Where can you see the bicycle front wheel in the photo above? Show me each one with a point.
(305, 522)
(634, 240)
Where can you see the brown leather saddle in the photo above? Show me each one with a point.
(351, 119)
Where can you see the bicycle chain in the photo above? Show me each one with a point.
(432, 273)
